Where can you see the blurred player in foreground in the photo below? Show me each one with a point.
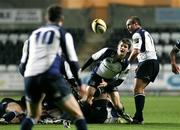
(148, 65)
(41, 60)
(174, 51)
(110, 72)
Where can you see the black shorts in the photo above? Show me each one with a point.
(53, 86)
(148, 70)
(95, 80)
(99, 111)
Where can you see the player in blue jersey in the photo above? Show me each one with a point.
(41, 61)
(148, 65)
(110, 71)
(174, 51)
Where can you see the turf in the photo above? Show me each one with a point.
(160, 113)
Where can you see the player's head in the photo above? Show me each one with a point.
(124, 47)
(55, 14)
(133, 23)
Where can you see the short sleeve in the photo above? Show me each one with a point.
(137, 41)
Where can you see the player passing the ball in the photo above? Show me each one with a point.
(148, 65)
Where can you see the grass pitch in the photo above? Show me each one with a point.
(160, 113)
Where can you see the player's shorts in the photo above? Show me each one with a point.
(95, 80)
(55, 87)
(101, 109)
(148, 70)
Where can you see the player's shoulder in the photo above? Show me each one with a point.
(50, 27)
(139, 32)
(108, 50)
(59, 31)
(136, 35)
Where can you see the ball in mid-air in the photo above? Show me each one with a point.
(98, 26)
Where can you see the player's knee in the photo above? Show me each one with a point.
(91, 91)
(78, 114)
(138, 89)
(90, 94)
(118, 106)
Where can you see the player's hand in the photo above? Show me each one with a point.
(80, 70)
(175, 69)
(83, 90)
(103, 83)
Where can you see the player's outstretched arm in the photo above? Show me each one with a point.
(174, 66)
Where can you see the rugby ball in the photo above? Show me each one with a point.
(98, 26)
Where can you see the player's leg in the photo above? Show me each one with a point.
(115, 97)
(61, 93)
(34, 97)
(139, 98)
(146, 73)
(116, 100)
(90, 94)
(93, 83)
(71, 106)
(33, 113)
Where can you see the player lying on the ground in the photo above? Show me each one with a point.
(14, 111)
(111, 70)
(11, 110)
(51, 114)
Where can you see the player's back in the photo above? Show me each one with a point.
(44, 46)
